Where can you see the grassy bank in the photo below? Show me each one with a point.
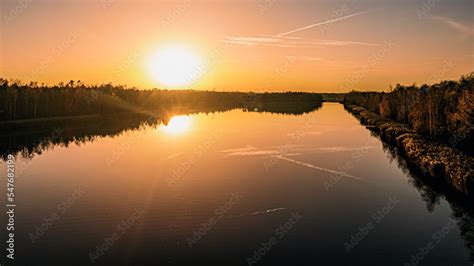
(434, 159)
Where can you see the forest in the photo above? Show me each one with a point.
(443, 111)
(20, 101)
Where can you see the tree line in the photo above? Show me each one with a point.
(32, 101)
(444, 111)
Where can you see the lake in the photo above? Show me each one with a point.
(233, 188)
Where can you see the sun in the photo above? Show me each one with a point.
(175, 66)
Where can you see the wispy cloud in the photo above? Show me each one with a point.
(465, 29)
(331, 149)
(290, 42)
(283, 40)
(246, 148)
(253, 153)
(310, 58)
(322, 23)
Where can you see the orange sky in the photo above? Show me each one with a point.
(321, 46)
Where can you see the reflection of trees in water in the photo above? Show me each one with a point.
(465, 223)
(283, 108)
(293, 103)
(29, 139)
(432, 191)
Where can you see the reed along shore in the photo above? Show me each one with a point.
(431, 158)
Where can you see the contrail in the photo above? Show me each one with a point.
(262, 212)
(317, 167)
(322, 23)
(456, 25)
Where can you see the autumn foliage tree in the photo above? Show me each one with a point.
(443, 111)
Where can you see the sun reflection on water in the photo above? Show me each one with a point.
(177, 125)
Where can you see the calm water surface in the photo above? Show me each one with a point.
(232, 188)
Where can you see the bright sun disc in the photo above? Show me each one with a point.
(175, 66)
(177, 125)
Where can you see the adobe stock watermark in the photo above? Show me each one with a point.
(376, 218)
(336, 14)
(107, 3)
(61, 209)
(276, 237)
(206, 226)
(436, 238)
(425, 8)
(16, 11)
(22, 165)
(124, 65)
(199, 71)
(283, 68)
(110, 240)
(372, 61)
(119, 151)
(295, 137)
(180, 10)
(198, 153)
(57, 52)
(118, 69)
(356, 156)
(447, 66)
(265, 5)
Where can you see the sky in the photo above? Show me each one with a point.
(259, 45)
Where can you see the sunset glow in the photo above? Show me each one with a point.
(319, 46)
(175, 66)
(177, 125)
(237, 132)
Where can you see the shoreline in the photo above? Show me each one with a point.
(435, 160)
(51, 122)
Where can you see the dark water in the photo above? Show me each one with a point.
(231, 188)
